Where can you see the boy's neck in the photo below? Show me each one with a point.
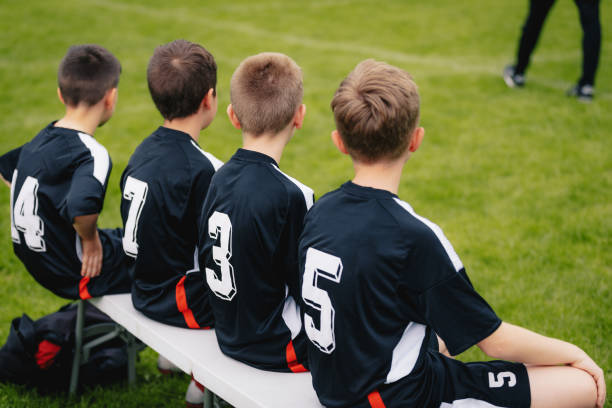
(191, 125)
(269, 144)
(383, 175)
(81, 118)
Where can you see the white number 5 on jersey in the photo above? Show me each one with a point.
(320, 264)
(220, 227)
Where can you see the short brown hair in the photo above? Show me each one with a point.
(266, 90)
(86, 73)
(376, 109)
(179, 75)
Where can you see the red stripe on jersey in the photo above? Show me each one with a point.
(181, 304)
(375, 400)
(83, 292)
(292, 359)
(46, 354)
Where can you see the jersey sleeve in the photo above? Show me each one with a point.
(443, 298)
(288, 243)
(88, 185)
(8, 163)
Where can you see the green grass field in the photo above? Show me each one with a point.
(519, 180)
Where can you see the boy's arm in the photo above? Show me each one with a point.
(5, 182)
(86, 227)
(515, 343)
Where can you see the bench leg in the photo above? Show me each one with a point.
(78, 347)
(208, 398)
(132, 349)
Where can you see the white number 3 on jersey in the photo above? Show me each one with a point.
(320, 264)
(220, 227)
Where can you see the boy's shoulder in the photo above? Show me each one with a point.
(296, 189)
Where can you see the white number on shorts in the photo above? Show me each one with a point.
(320, 264)
(136, 192)
(25, 215)
(500, 380)
(220, 227)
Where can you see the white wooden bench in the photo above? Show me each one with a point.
(196, 352)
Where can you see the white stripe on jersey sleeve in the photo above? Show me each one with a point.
(406, 352)
(100, 156)
(448, 247)
(291, 315)
(469, 403)
(216, 163)
(307, 191)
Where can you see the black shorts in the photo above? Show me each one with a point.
(181, 302)
(444, 382)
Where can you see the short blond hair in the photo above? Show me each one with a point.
(376, 109)
(266, 91)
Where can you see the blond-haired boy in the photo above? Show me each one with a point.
(252, 218)
(379, 281)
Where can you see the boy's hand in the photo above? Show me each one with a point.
(86, 227)
(588, 365)
(5, 182)
(92, 257)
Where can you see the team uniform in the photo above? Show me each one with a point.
(59, 175)
(378, 282)
(249, 229)
(163, 187)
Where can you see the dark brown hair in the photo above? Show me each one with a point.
(266, 90)
(376, 109)
(86, 73)
(179, 75)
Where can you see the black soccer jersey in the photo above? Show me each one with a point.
(251, 221)
(59, 175)
(163, 188)
(377, 280)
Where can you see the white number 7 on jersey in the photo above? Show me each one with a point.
(136, 192)
(320, 264)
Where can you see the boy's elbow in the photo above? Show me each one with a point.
(495, 344)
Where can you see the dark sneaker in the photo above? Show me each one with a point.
(512, 79)
(584, 93)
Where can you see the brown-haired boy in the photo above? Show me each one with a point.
(379, 281)
(252, 218)
(58, 182)
(164, 185)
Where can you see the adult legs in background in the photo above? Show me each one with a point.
(591, 40)
(538, 10)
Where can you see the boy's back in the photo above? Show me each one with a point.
(386, 272)
(254, 215)
(163, 186)
(60, 174)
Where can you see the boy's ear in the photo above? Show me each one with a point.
(338, 142)
(59, 95)
(298, 118)
(417, 137)
(232, 117)
(110, 99)
(208, 100)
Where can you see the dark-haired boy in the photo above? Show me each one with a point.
(252, 218)
(379, 281)
(58, 181)
(163, 187)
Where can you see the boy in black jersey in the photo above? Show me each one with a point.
(58, 181)
(163, 187)
(378, 282)
(252, 218)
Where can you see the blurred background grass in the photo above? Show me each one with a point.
(519, 180)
